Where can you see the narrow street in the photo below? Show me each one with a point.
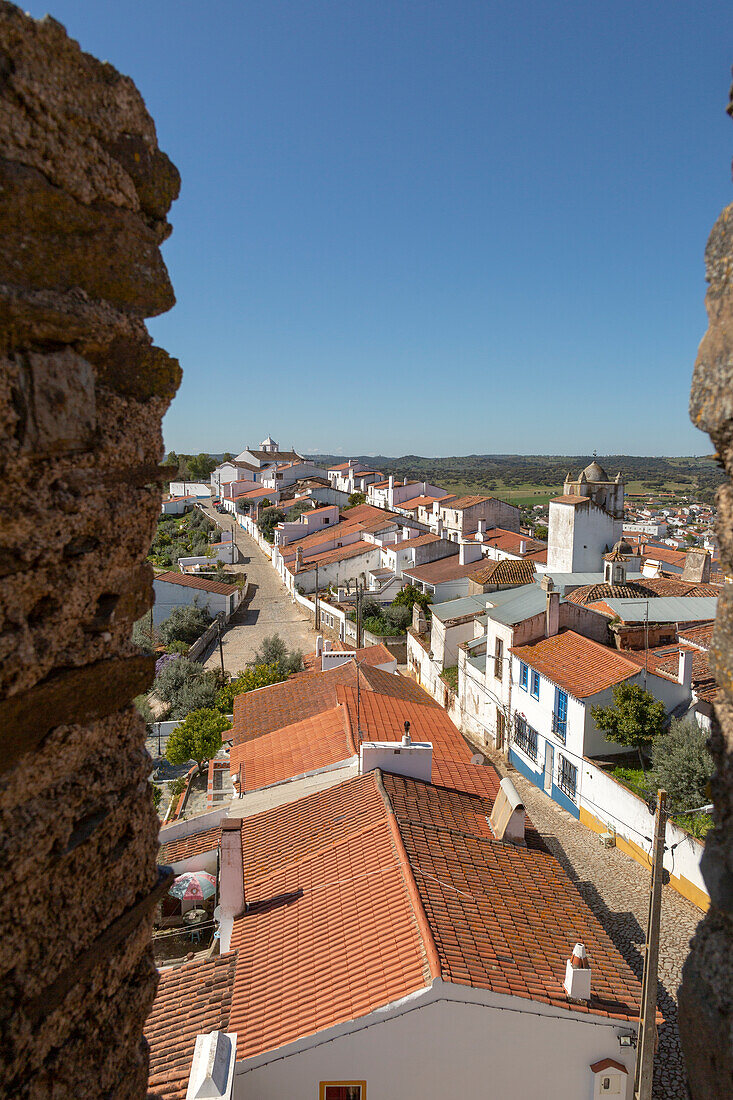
(268, 608)
(617, 890)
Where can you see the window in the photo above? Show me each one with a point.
(525, 737)
(342, 1090)
(535, 692)
(523, 676)
(560, 717)
(567, 778)
(498, 658)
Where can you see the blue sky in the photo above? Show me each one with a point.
(438, 228)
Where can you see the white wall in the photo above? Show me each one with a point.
(168, 596)
(449, 1049)
(190, 488)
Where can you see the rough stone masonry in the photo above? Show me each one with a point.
(706, 995)
(84, 193)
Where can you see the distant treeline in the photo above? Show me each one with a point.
(491, 473)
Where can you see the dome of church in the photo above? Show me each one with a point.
(623, 547)
(595, 472)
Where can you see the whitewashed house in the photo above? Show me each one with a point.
(184, 590)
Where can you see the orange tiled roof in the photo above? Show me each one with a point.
(570, 498)
(278, 705)
(370, 655)
(700, 636)
(421, 502)
(192, 999)
(505, 571)
(419, 540)
(294, 750)
(459, 503)
(396, 687)
(577, 664)
(364, 893)
(190, 580)
(172, 851)
(444, 569)
(675, 586)
(338, 553)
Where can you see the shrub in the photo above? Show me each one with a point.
(197, 738)
(157, 794)
(410, 595)
(186, 686)
(184, 624)
(683, 764)
(357, 498)
(274, 651)
(195, 695)
(142, 635)
(269, 520)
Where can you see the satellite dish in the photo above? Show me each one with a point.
(477, 758)
(217, 914)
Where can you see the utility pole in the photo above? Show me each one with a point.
(646, 1043)
(318, 617)
(221, 647)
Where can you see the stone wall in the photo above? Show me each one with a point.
(84, 193)
(706, 995)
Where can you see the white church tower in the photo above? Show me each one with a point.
(585, 522)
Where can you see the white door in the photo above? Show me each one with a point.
(549, 764)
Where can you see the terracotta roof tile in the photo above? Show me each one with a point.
(444, 569)
(577, 664)
(172, 851)
(191, 581)
(193, 999)
(278, 705)
(369, 656)
(505, 571)
(292, 751)
(363, 893)
(700, 636)
(458, 504)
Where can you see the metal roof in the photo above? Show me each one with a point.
(515, 604)
(456, 609)
(665, 609)
(576, 580)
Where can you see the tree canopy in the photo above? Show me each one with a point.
(197, 738)
(634, 719)
(683, 764)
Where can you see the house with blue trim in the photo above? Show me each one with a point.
(555, 682)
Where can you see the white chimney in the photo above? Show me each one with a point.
(508, 814)
(439, 527)
(391, 482)
(480, 526)
(684, 674)
(413, 759)
(578, 975)
(298, 559)
(231, 869)
(522, 546)
(212, 1067)
(319, 645)
(468, 552)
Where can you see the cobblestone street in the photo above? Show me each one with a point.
(617, 890)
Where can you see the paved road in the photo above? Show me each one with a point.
(269, 608)
(617, 890)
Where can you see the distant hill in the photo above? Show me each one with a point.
(526, 478)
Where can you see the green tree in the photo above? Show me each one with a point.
(197, 738)
(186, 686)
(682, 764)
(184, 624)
(634, 719)
(142, 636)
(540, 532)
(269, 520)
(410, 595)
(274, 651)
(249, 679)
(357, 498)
(157, 794)
(201, 466)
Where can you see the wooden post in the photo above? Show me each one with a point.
(647, 1017)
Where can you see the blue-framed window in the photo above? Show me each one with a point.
(560, 717)
(523, 676)
(535, 688)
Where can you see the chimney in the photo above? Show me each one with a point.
(684, 674)
(298, 558)
(481, 526)
(439, 527)
(212, 1066)
(578, 975)
(413, 759)
(508, 814)
(391, 482)
(552, 614)
(319, 645)
(522, 546)
(405, 481)
(231, 868)
(468, 552)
